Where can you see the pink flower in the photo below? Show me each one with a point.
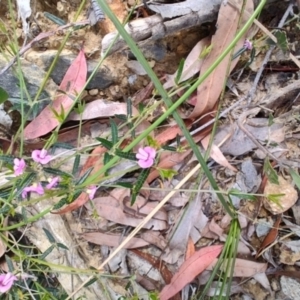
(36, 188)
(53, 182)
(248, 45)
(91, 191)
(6, 282)
(19, 166)
(146, 157)
(41, 156)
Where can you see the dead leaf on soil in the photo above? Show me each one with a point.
(112, 209)
(110, 240)
(209, 91)
(191, 65)
(192, 267)
(101, 108)
(71, 84)
(216, 154)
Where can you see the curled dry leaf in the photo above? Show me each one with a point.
(284, 202)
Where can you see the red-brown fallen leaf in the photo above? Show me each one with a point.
(71, 84)
(192, 267)
(270, 237)
(209, 91)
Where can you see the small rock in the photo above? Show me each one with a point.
(93, 92)
(290, 287)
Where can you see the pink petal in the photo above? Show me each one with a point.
(36, 155)
(151, 151)
(146, 163)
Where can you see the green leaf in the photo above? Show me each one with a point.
(62, 246)
(179, 72)
(84, 176)
(26, 181)
(50, 237)
(121, 117)
(57, 172)
(76, 164)
(105, 143)
(275, 198)
(114, 131)
(238, 193)
(9, 263)
(141, 107)
(94, 279)
(7, 158)
(62, 145)
(205, 51)
(169, 148)
(282, 41)
(125, 184)
(126, 155)
(296, 178)
(167, 173)
(152, 142)
(3, 95)
(54, 19)
(270, 120)
(139, 184)
(60, 203)
(270, 172)
(129, 108)
(47, 252)
(106, 159)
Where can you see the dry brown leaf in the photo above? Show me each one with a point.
(154, 238)
(209, 91)
(216, 154)
(71, 85)
(112, 209)
(110, 240)
(102, 109)
(191, 65)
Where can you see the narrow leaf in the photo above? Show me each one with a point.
(49, 236)
(105, 143)
(114, 131)
(270, 172)
(3, 95)
(76, 164)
